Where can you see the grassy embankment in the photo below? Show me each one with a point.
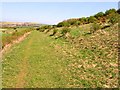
(88, 60)
(92, 58)
(10, 34)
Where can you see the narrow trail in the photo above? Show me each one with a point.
(34, 63)
(24, 66)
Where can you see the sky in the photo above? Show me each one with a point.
(51, 12)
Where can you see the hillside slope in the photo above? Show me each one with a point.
(88, 60)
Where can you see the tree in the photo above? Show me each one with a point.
(110, 11)
(98, 15)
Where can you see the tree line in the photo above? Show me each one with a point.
(110, 16)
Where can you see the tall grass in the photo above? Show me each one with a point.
(9, 37)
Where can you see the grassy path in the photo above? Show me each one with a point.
(24, 65)
(34, 63)
(43, 62)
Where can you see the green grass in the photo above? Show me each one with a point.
(92, 58)
(10, 34)
(88, 61)
(75, 32)
(79, 31)
(45, 66)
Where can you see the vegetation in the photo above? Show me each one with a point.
(94, 27)
(54, 32)
(99, 17)
(92, 19)
(64, 31)
(110, 12)
(12, 34)
(75, 53)
(114, 19)
(41, 64)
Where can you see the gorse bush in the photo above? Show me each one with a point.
(110, 11)
(64, 23)
(8, 38)
(114, 18)
(94, 27)
(99, 17)
(54, 32)
(64, 31)
(92, 19)
(43, 28)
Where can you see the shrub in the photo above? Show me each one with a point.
(94, 27)
(110, 11)
(77, 23)
(6, 39)
(64, 23)
(92, 19)
(43, 28)
(100, 14)
(37, 29)
(114, 19)
(72, 21)
(60, 24)
(54, 32)
(64, 31)
(46, 31)
(83, 20)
